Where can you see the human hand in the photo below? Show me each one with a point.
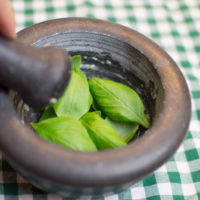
(7, 19)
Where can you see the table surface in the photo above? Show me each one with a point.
(175, 26)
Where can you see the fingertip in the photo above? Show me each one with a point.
(8, 31)
(7, 20)
(12, 35)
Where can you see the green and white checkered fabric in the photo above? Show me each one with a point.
(175, 26)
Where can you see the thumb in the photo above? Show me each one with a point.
(7, 19)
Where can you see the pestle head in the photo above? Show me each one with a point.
(49, 76)
(37, 74)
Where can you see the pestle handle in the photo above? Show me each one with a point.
(37, 74)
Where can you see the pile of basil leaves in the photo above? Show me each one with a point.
(92, 115)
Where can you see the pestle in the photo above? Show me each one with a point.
(39, 75)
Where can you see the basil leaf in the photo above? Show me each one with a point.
(101, 132)
(119, 102)
(126, 130)
(98, 112)
(77, 99)
(48, 113)
(65, 131)
(76, 62)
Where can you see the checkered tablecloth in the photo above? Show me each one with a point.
(175, 26)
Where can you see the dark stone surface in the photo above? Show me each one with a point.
(37, 74)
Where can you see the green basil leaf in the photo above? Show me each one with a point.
(94, 106)
(77, 99)
(101, 132)
(65, 131)
(76, 62)
(98, 112)
(48, 113)
(126, 130)
(119, 102)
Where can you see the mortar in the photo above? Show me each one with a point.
(109, 51)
